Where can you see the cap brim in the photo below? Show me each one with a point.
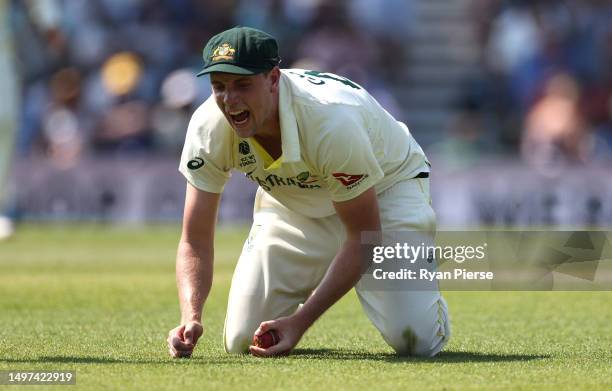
(230, 68)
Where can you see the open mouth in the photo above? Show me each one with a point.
(239, 117)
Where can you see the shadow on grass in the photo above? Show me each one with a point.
(127, 360)
(443, 357)
(297, 354)
(81, 360)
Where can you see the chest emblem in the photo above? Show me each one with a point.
(244, 148)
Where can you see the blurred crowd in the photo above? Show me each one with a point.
(117, 76)
(546, 80)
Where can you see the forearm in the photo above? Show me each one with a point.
(342, 275)
(194, 271)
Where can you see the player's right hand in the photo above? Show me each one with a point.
(182, 339)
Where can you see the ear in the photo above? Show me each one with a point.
(274, 76)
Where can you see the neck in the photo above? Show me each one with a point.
(271, 129)
(270, 137)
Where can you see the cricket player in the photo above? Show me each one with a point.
(330, 163)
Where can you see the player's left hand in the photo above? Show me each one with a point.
(290, 330)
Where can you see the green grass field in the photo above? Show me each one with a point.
(101, 300)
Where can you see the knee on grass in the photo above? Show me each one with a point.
(237, 342)
(406, 342)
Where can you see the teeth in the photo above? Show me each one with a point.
(234, 114)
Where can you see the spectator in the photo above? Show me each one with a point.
(555, 130)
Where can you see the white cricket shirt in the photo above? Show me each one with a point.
(337, 142)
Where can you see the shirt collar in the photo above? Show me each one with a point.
(288, 123)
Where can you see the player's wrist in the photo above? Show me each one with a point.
(305, 316)
(194, 318)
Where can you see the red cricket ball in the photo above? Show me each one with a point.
(267, 339)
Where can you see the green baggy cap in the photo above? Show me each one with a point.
(240, 50)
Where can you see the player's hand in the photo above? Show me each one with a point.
(289, 329)
(182, 339)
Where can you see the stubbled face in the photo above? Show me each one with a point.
(248, 102)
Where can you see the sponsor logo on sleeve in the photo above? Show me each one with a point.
(349, 180)
(195, 163)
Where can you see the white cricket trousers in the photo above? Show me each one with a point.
(287, 254)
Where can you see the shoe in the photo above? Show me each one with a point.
(7, 228)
